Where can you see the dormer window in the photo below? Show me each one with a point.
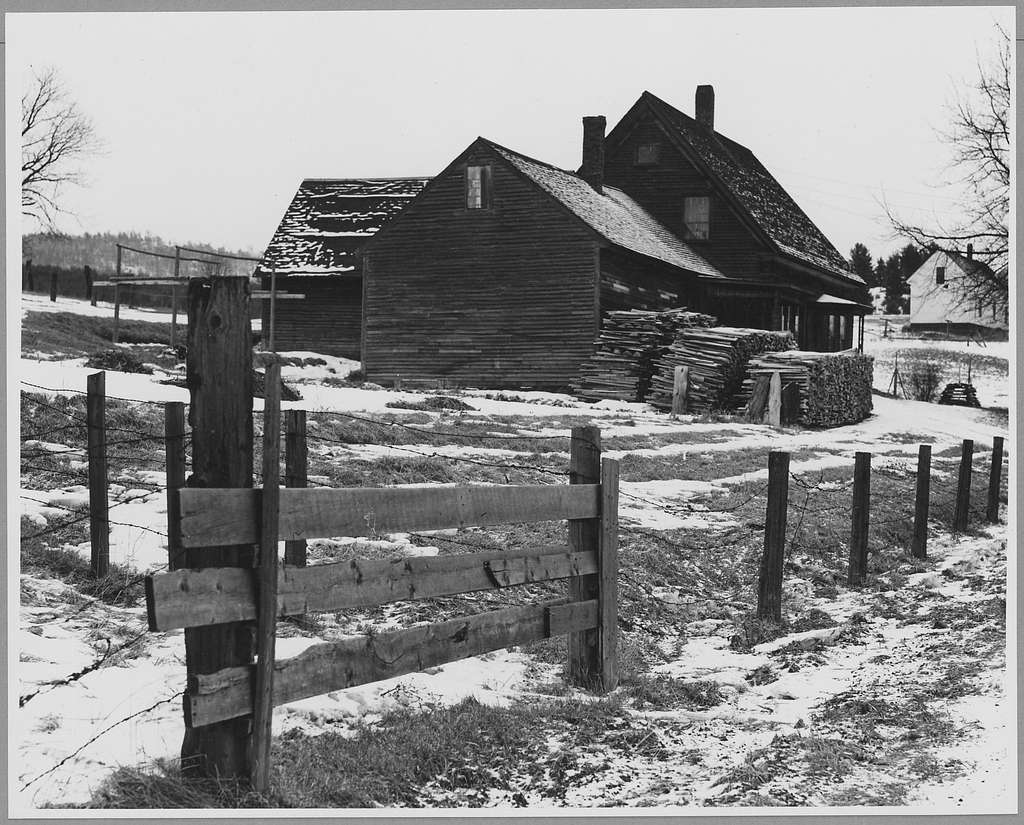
(940, 275)
(478, 187)
(697, 218)
(648, 154)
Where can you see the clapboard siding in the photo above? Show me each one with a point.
(494, 297)
(327, 320)
(661, 189)
(631, 282)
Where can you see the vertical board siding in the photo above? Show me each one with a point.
(327, 320)
(662, 188)
(489, 297)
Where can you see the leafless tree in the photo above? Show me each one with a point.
(55, 136)
(979, 136)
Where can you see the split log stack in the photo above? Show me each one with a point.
(630, 344)
(960, 395)
(717, 358)
(834, 387)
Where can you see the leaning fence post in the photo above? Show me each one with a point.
(584, 537)
(769, 582)
(266, 602)
(99, 519)
(924, 476)
(963, 488)
(174, 450)
(608, 575)
(995, 480)
(680, 387)
(295, 467)
(859, 519)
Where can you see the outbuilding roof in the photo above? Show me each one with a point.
(613, 215)
(329, 219)
(755, 189)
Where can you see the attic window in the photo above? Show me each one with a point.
(478, 187)
(696, 218)
(940, 275)
(648, 154)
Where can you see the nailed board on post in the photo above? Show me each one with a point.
(584, 537)
(174, 451)
(219, 377)
(295, 469)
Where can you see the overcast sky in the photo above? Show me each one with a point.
(210, 120)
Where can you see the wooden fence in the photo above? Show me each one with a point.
(202, 517)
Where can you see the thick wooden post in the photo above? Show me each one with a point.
(961, 514)
(273, 308)
(680, 386)
(266, 600)
(87, 272)
(53, 286)
(769, 582)
(608, 575)
(584, 536)
(995, 480)
(117, 295)
(174, 298)
(295, 466)
(99, 519)
(919, 547)
(860, 518)
(174, 450)
(219, 378)
(30, 282)
(773, 417)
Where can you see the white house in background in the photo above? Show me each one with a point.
(938, 298)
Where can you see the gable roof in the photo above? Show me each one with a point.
(969, 266)
(754, 189)
(613, 215)
(328, 220)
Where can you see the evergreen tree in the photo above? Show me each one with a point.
(896, 289)
(860, 263)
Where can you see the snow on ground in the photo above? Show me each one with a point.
(56, 642)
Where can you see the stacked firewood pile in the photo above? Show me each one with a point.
(630, 343)
(834, 387)
(960, 395)
(717, 359)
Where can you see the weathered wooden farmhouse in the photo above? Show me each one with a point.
(313, 253)
(717, 196)
(498, 272)
(941, 297)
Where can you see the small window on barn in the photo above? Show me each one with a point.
(478, 187)
(696, 218)
(940, 275)
(648, 154)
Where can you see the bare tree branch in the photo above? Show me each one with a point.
(55, 136)
(979, 136)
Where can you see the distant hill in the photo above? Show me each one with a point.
(99, 251)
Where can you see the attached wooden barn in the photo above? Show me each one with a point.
(313, 253)
(498, 272)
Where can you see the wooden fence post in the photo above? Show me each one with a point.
(87, 273)
(117, 295)
(773, 417)
(266, 600)
(680, 387)
(608, 575)
(961, 514)
(219, 378)
(769, 582)
(584, 536)
(99, 519)
(174, 298)
(295, 467)
(174, 450)
(53, 286)
(859, 520)
(995, 480)
(30, 282)
(924, 478)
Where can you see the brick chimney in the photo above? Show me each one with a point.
(592, 170)
(704, 106)
(970, 252)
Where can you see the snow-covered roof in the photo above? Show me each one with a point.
(328, 220)
(756, 190)
(613, 214)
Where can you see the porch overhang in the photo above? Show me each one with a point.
(844, 303)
